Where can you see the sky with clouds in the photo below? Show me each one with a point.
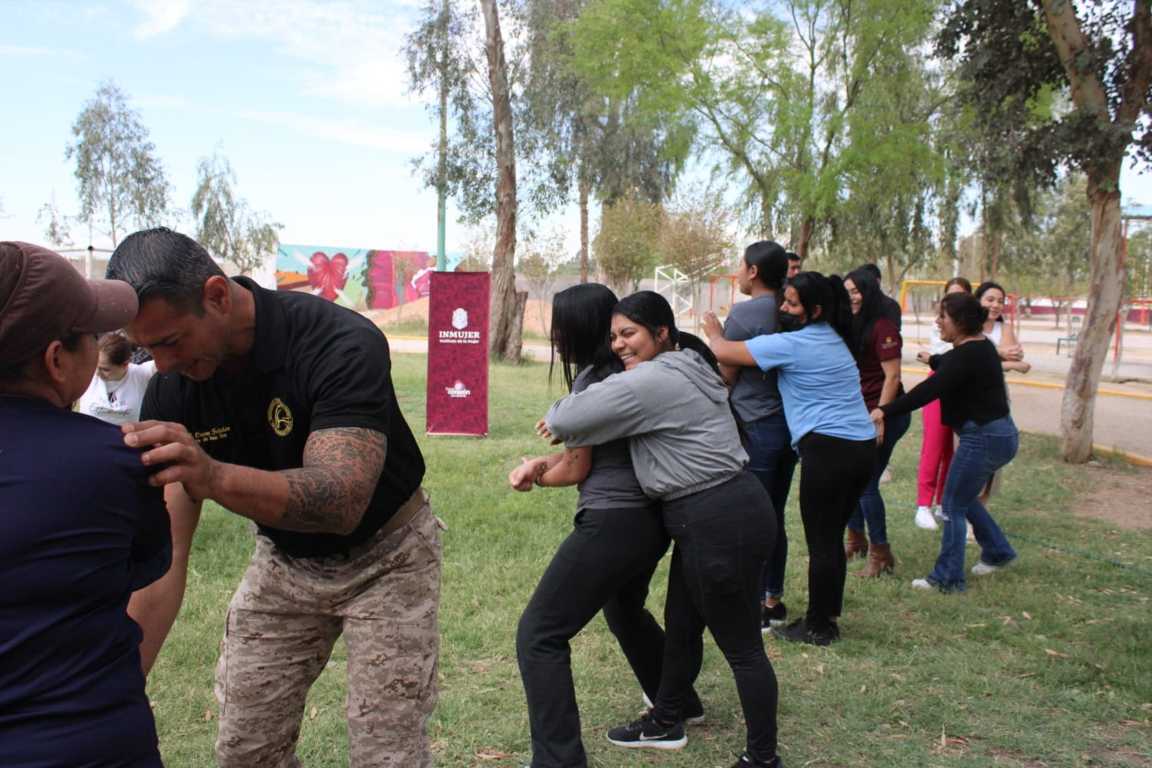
(306, 98)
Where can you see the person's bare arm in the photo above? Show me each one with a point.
(155, 606)
(891, 386)
(731, 353)
(572, 468)
(328, 494)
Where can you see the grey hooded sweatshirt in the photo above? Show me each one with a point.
(674, 410)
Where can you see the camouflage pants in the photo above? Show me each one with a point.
(282, 623)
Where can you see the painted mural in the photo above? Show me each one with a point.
(357, 278)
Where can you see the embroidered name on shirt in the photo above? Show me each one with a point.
(280, 417)
(212, 435)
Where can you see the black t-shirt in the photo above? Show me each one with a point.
(969, 381)
(314, 365)
(80, 529)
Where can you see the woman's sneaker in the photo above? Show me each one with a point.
(649, 734)
(983, 569)
(772, 616)
(747, 762)
(925, 519)
(800, 632)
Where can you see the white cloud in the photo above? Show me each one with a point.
(352, 46)
(353, 132)
(160, 16)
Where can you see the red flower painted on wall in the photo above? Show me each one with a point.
(327, 276)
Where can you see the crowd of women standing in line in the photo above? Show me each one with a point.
(675, 441)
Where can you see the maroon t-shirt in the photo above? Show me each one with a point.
(884, 344)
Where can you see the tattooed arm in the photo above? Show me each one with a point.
(329, 494)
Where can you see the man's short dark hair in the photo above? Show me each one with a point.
(160, 263)
(793, 256)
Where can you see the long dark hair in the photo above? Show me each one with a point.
(581, 323)
(770, 260)
(871, 308)
(651, 310)
(829, 295)
(989, 285)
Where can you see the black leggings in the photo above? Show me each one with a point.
(606, 562)
(833, 475)
(721, 535)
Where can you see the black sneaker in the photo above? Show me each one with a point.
(771, 617)
(747, 762)
(799, 632)
(648, 733)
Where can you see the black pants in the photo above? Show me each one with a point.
(833, 475)
(606, 562)
(721, 535)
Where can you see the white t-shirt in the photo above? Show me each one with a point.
(996, 334)
(118, 402)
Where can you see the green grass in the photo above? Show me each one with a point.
(1048, 664)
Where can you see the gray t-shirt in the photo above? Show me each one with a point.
(754, 395)
(611, 483)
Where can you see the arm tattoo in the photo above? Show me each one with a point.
(331, 492)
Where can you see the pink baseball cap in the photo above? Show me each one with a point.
(44, 298)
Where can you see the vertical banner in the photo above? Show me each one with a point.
(458, 354)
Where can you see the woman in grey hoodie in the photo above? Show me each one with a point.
(672, 405)
(606, 562)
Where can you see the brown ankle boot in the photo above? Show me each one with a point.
(856, 544)
(880, 561)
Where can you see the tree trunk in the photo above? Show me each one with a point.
(1104, 296)
(806, 229)
(507, 307)
(585, 185)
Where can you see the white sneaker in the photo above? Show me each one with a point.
(925, 519)
(922, 584)
(983, 569)
(970, 537)
(938, 513)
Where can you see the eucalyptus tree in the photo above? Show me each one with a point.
(1018, 59)
(120, 181)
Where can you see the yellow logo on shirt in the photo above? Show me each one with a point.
(279, 417)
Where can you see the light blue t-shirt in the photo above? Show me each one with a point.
(818, 380)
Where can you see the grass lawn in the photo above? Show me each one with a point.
(1047, 664)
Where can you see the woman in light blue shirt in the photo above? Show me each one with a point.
(820, 385)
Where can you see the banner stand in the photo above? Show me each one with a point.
(457, 394)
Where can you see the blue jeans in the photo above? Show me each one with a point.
(982, 449)
(771, 458)
(871, 507)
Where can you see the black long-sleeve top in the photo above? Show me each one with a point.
(969, 382)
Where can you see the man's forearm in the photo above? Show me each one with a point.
(329, 494)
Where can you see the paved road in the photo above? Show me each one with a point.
(1124, 423)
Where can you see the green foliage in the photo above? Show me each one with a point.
(627, 245)
(120, 181)
(1011, 73)
(225, 225)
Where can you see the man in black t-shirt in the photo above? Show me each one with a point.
(279, 406)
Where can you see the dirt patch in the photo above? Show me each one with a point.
(1120, 497)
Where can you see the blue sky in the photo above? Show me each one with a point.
(306, 98)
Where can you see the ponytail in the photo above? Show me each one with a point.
(827, 294)
(693, 342)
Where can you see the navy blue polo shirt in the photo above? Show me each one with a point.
(314, 365)
(80, 529)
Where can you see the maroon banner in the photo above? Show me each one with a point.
(458, 354)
